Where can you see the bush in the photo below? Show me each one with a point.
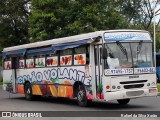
(158, 86)
(1, 80)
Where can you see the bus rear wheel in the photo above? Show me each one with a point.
(123, 101)
(81, 97)
(28, 91)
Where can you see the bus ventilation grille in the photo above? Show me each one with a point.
(131, 82)
(135, 93)
(133, 86)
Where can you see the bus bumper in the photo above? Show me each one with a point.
(130, 94)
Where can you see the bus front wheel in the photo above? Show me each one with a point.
(81, 97)
(123, 101)
(28, 91)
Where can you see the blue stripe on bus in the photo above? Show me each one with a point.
(40, 51)
(63, 46)
(20, 52)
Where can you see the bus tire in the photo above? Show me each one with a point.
(123, 101)
(28, 91)
(81, 97)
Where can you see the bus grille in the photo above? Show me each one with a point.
(130, 82)
(134, 93)
(133, 86)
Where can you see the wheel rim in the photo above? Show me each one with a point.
(81, 95)
(28, 91)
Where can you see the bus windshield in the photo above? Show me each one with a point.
(142, 54)
(128, 55)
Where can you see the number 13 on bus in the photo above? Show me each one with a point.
(98, 66)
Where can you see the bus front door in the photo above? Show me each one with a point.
(98, 71)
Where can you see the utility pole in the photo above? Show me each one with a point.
(154, 32)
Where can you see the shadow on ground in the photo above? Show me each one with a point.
(94, 105)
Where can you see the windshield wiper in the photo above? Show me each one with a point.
(123, 49)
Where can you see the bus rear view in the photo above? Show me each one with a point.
(128, 66)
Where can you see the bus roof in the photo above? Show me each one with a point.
(66, 39)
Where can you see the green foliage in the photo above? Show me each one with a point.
(158, 86)
(13, 22)
(144, 13)
(60, 18)
(158, 41)
(50, 19)
(1, 81)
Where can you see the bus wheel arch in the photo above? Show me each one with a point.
(76, 87)
(80, 93)
(26, 83)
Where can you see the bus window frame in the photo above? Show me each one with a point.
(7, 59)
(55, 54)
(40, 56)
(21, 58)
(65, 55)
(29, 57)
(86, 54)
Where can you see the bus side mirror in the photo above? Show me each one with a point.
(104, 53)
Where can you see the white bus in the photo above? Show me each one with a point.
(98, 66)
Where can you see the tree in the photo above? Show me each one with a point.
(158, 39)
(129, 9)
(145, 14)
(59, 18)
(13, 22)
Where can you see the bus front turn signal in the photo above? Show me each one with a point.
(107, 87)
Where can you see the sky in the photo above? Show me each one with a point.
(157, 8)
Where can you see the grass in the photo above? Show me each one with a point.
(158, 86)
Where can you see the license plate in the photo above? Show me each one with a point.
(152, 90)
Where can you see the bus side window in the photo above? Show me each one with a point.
(66, 57)
(21, 63)
(52, 60)
(40, 61)
(7, 64)
(30, 62)
(81, 55)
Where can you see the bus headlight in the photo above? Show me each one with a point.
(113, 87)
(148, 84)
(118, 87)
(153, 83)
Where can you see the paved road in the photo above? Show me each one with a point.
(14, 102)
